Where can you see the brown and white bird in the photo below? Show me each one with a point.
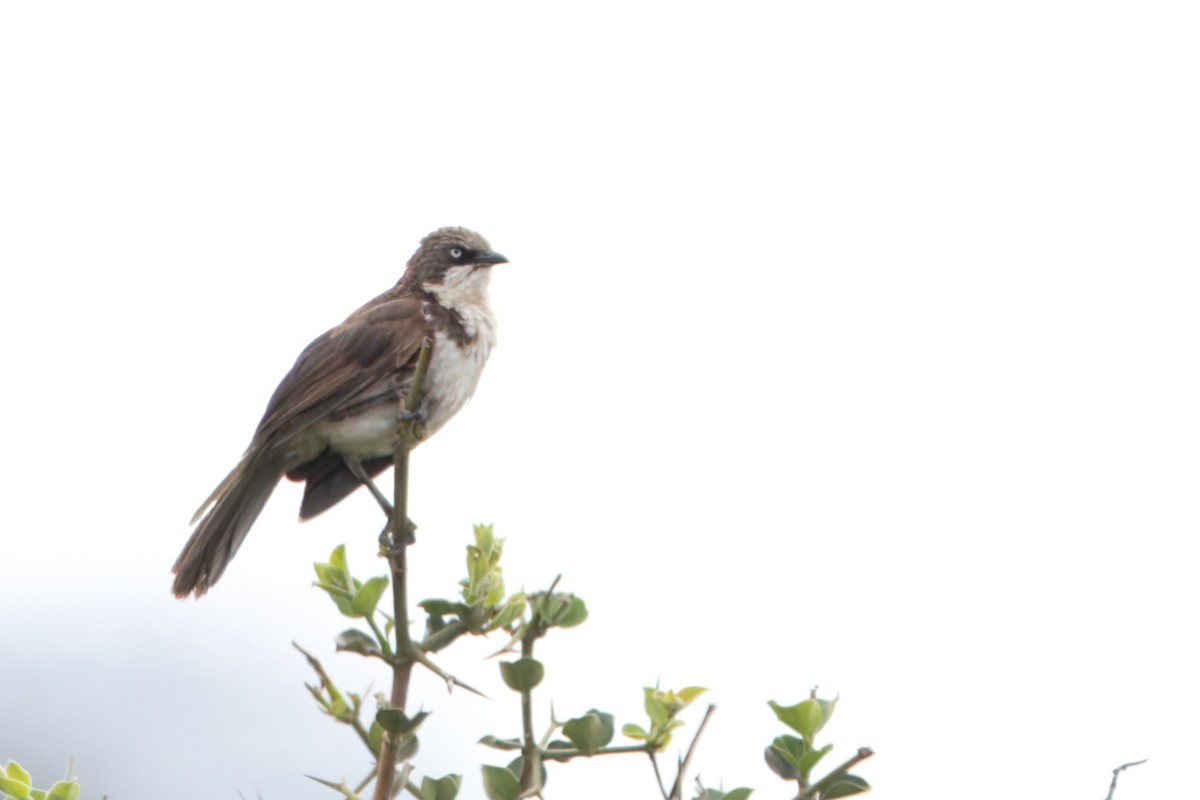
(342, 398)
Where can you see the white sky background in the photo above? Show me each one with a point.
(851, 344)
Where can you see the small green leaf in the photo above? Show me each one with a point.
(523, 674)
(785, 755)
(439, 608)
(845, 786)
(367, 596)
(740, 793)
(635, 732)
(16, 772)
(64, 790)
(375, 738)
(355, 641)
(14, 788)
(501, 744)
(804, 718)
(517, 767)
(574, 614)
(500, 784)
(409, 745)
(690, 693)
(338, 558)
(717, 794)
(512, 610)
(658, 706)
(827, 707)
(393, 720)
(810, 758)
(440, 789)
(15, 781)
(590, 732)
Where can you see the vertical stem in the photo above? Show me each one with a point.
(397, 550)
(531, 762)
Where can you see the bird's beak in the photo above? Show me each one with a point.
(488, 259)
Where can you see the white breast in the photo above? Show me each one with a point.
(454, 369)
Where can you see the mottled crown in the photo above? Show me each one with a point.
(446, 248)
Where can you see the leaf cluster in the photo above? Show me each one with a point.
(17, 784)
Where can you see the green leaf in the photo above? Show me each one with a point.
(440, 789)
(785, 755)
(439, 608)
(12, 788)
(517, 767)
(500, 784)
(14, 771)
(590, 732)
(805, 718)
(690, 693)
(512, 611)
(635, 732)
(375, 738)
(353, 640)
(523, 674)
(740, 793)
(333, 577)
(409, 745)
(658, 707)
(501, 744)
(810, 758)
(15, 781)
(717, 794)
(845, 786)
(574, 614)
(393, 720)
(484, 538)
(827, 707)
(64, 790)
(367, 596)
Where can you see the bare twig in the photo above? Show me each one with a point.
(657, 775)
(328, 686)
(677, 787)
(1116, 773)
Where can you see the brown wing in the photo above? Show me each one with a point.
(348, 366)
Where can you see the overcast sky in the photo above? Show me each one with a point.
(849, 344)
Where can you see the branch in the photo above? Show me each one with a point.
(400, 530)
(820, 786)
(1116, 772)
(677, 787)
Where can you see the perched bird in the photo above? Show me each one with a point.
(335, 412)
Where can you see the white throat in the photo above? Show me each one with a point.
(464, 288)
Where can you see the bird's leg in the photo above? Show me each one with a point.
(418, 417)
(356, 469)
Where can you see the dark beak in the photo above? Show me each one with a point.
(488, 259)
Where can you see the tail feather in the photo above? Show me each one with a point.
(225, 519)
(328, 481)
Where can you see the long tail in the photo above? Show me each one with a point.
(225, 519)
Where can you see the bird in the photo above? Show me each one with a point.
(332, 419)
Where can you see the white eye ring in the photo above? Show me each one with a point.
(456, 253)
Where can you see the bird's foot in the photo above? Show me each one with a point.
(420, 416)
(408, 535)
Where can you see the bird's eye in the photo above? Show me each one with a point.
(456, 253)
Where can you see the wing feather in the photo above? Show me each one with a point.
(367, 357)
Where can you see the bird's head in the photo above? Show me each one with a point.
(454, 265)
